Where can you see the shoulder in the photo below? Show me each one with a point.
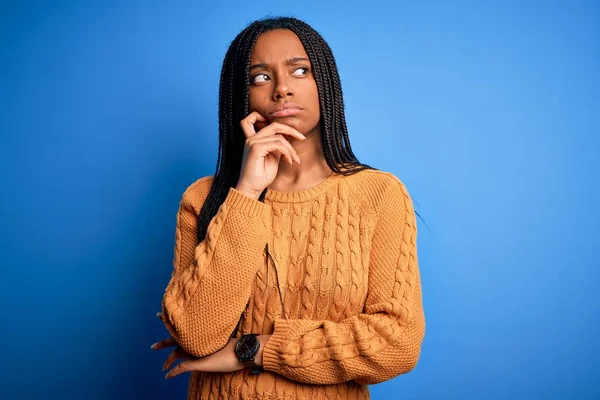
(196, 193)
(378, 189)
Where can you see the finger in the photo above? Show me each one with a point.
(164, 320)
(292, 154)
(180, 368)
(247, 123)
(277, 127)
(174, 356)
(163, 344)
(273, 146)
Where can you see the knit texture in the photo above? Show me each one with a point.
(342, 256)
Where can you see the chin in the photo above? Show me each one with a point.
(290, 120)
(301, 126)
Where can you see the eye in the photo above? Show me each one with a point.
(259, 78)
(300, 69)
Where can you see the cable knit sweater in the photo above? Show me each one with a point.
(343, 263)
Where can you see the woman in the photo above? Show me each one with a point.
(307, 255)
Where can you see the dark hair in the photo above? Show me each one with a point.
(234, 106)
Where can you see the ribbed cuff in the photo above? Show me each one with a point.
(271, 351)
(245, 205)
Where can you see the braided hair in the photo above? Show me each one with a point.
(234, 106)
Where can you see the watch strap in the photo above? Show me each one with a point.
(256, 370)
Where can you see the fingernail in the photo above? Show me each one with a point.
(158, 314)
(154, 345)
(167, 376)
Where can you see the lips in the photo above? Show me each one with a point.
(285, 110)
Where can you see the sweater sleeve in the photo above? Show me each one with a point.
(211, 281)
(385, 339)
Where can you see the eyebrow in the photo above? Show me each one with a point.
(289, 61)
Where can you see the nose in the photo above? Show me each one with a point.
(282, 89)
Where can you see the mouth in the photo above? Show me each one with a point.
(285, 110)
(288, 112)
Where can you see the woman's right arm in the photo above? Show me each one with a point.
(211, 282)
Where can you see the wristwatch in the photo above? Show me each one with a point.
(246, 349)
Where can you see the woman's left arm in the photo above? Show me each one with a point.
(382, 342)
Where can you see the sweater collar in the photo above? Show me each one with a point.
(305, 194)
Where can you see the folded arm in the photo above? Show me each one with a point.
(378, 344)
(211, 281)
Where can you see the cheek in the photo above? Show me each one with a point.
(257, 100)
(313, 115)
(252, 100)
(314, 97)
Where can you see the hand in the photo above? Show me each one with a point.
(165, 342)
(223, 360)
(177, 353)
(263, 151)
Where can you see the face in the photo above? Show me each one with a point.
(281, 74)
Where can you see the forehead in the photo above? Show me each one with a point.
(278, 44)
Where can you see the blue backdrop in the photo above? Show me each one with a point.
(489, 113)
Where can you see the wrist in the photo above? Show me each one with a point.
(247, 192)
(259, 356)
(248, 350)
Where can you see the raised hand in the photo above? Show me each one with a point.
(263, 151)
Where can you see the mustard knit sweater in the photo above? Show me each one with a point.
(343, 261)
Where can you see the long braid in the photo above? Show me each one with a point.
(234, 106)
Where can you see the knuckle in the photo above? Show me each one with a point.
(182, 366)
(282, 139)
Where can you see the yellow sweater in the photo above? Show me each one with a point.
(343, 259)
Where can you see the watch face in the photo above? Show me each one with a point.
(247, 347)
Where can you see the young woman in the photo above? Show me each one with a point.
(295, 270)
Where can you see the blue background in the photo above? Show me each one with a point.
(489, 113)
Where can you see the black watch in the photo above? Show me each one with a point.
(246, 349)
